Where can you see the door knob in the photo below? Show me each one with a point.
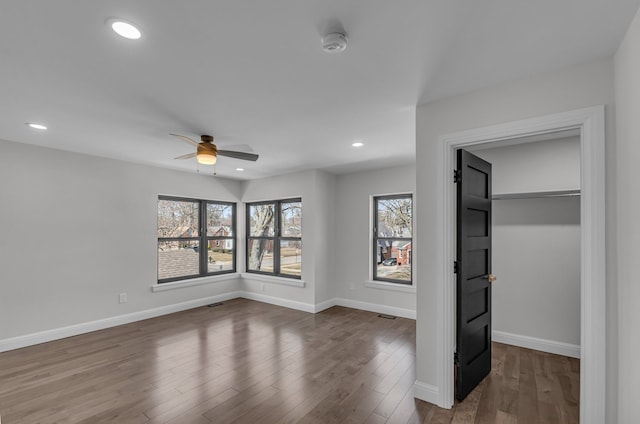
(491, 278)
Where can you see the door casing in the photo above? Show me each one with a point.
(590, 123)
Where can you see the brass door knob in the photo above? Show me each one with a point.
(491, 278)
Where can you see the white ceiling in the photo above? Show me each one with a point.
(253, 72)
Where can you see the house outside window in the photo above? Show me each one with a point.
(196, 238)
(392, 238)
(274, 238)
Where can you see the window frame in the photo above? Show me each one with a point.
(202, 239)
(376, 238)
(276, 239)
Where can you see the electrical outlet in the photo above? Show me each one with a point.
(123, 299)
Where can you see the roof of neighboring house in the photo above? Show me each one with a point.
(184, 231)
(404, 245)
(223, 229)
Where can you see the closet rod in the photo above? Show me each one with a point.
(536, 195)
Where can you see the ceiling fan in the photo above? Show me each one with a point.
(207, 152)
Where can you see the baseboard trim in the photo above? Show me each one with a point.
(278, 301)
(87, 327)
(549, 346)
(374, 307)
(426, 392)
(324, 305)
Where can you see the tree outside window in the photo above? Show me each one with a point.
(274, 238)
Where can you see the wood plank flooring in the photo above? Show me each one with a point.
(249, 362)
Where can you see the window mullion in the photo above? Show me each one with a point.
(276, 241)
(204, 247)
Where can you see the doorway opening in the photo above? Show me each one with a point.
(589, 124)
(536, 241)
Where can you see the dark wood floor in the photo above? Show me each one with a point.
(249, 362)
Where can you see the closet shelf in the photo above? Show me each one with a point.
(536, 195)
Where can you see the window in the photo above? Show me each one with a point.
(186, 225)
(392, 238)
(274, 238)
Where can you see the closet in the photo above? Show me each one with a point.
(536, 243)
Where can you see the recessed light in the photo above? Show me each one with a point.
(36, 126)
(124, 28)
(357, 144)
(239, 169)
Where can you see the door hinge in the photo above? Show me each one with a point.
(457, 176)
(455, 267)
(456, 359)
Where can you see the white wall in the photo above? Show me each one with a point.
(563, 90)
(536, 242)
(536, 166)
(78, 230)
(627, 90)
(352, 251)
(325, 269)
(536, 257)
(315, 188)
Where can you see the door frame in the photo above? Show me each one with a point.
(590, 121)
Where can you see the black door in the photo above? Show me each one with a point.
(473, 303)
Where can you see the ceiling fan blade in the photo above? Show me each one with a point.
(187, 156)
(185, 138)
(238, 155)
(236, 147)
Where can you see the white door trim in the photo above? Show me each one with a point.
(590, 122)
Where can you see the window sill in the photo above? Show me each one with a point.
(194, 282)
(404, 288)
(271, 279)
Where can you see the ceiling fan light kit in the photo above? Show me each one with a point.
(207, 154)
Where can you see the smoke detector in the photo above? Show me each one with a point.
(335, 42)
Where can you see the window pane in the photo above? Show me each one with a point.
(291, 219)
(177, 259)
(394, 260)
(394, 217)
(220, 255)
(291, 257)
(261, 220)
(260, 255)
(177, 218)
(219, 220)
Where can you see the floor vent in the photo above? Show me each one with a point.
(386, 316)
(213, 305)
